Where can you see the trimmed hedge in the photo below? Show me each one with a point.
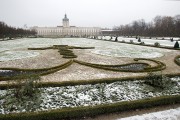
(43, 71)
(160, 66)
(44, 48)
(81, 112)
(80, 82)
(85, 82)
(156, 44)
(177, 60)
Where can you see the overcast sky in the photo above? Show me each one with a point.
(85, 13)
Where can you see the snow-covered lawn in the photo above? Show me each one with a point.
(85, 95)
(12, 55)
(166, 42)
(17, 49)
(172, 114)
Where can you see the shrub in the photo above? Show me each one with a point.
(159, 80)
(142, 43)
(116, 39)
(156, 44)
(176, 45)
(26, 87)
(25, 95)
(123, 41)
(111, 38)
(131, 41)
(171, 39)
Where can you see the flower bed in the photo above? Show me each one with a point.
(87, 95)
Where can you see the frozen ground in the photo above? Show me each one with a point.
(101, 47)
(172, 114)
(13, 55)
(165, 42)
(86, 95)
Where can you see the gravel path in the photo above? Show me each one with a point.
(50, 58)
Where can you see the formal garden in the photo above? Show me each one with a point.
(150, 79)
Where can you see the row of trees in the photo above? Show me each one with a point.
(11, 32)
(162, 26)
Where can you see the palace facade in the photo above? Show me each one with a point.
(66, 30)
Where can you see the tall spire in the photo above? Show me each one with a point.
(65, 21)
(65, 17)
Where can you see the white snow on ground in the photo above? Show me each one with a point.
(172, 114)
(165, 42)
(12, 55)
(101, 47)
(86, 95)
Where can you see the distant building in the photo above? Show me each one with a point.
(66, 30)
(110, 32)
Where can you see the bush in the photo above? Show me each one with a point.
(171, 39)
(25, 95)
(176, 45)
(116, 39)
(123, 41)
(159, 80)
(131, 41)
(142, 43)
(156, 44)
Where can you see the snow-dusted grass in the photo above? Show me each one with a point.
(85, 95)
(13, 55)
(172, 114)
(166, 42)
(101, 47)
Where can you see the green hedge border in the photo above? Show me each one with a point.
(40, 72)
(160, 66)
(46, 71)
(44, 48)
(176, 60)
(85, 82)
(81, 112)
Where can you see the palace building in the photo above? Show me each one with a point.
(66, 30)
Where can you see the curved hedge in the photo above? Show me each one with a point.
(43, 48)
(81, 112)
(131, 67)
(160, 65)
(148, 68)
(177, 60)
(42, 71)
